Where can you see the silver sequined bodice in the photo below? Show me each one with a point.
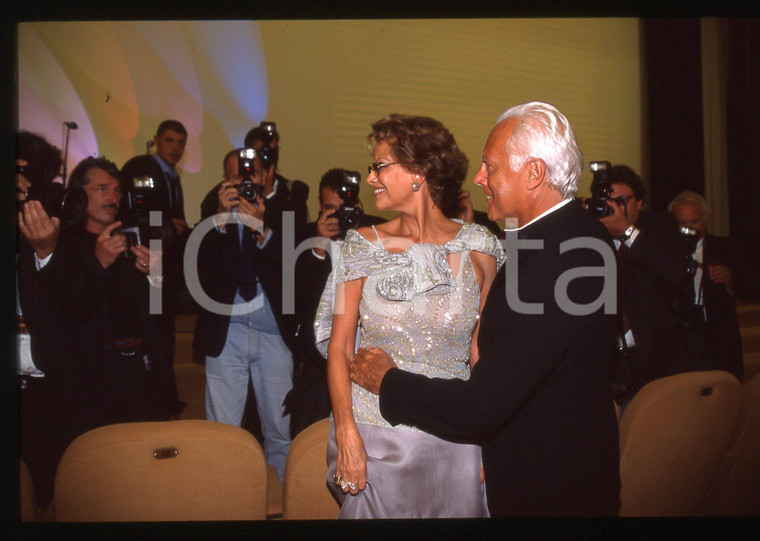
(429, 334)
(413, 306)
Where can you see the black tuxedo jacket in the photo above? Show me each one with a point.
(45, 297)
(652, 279)
(539, 400)
(724, 341)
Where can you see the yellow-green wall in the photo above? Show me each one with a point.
(328, 80)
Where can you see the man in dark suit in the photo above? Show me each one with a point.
(309, 400)
(538, 400)
(712, 333)
(653, 270)
(162, 193)
(246, 337)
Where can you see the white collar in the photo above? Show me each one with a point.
(543, 214)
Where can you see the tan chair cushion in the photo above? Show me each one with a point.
(673, 439)
(305, 494)
(740, 493)
(111, 474)
(27, 498)
(274, 493)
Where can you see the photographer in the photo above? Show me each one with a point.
(152, 183)
(709, 320)
(49, 393)
(106, 286)
(339, 210)
(280, 193)
(240, 264)
(651, 268)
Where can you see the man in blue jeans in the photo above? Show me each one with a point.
(241, 329)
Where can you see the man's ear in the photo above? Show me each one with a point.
(536, 173)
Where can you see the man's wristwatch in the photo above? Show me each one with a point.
(625, 235)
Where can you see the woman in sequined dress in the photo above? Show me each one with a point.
(413, 286)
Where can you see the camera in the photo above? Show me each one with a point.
(269, 130)
(140, 183)
(246, 169)
(67, 204)
(351, 210)
(690, 237)
(132, 236)
(600, 184)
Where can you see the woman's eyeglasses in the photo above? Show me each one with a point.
(377, 167)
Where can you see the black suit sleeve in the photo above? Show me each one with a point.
(560, 353)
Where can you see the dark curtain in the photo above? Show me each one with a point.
(743, 129)
(673, 109)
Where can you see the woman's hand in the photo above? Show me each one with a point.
(351, 467)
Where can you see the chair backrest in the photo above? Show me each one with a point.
(162, 471)
(740, 493)
(674, 436)
(304, 493)
(27, 498)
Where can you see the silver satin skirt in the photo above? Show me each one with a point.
(412, 475)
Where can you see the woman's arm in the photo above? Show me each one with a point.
(485, 271)
(352, 457)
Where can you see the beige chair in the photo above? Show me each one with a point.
(305, 494)
(162, 471)
(739, 494)
(674, 436)
(274, 493)
(27, 498)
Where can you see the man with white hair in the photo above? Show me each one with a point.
(538, 401)
(712, 330)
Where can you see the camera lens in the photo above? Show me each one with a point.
(598, 207)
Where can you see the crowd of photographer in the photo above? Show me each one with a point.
(95, 354)
(672, 318)
(94, 349)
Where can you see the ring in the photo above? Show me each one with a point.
(343, 484)
(352, 486)
(338, 480)
(143, 264)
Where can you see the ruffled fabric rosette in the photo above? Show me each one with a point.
(421, 269)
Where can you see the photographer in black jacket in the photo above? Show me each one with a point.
(109, 282)
(652, 268)
(49, 397)
(709, 322)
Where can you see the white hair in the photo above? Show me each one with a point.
(691, 198)
(542, 132)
